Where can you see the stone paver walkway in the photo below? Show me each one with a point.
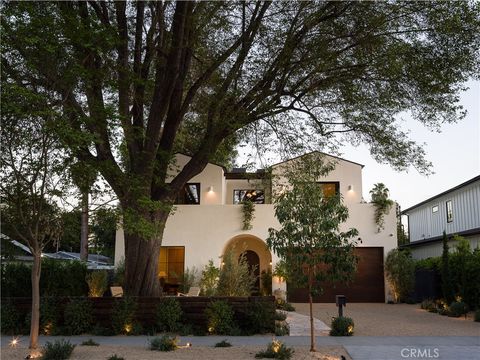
(300, 325)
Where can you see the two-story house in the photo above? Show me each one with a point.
(455, 211)
(208, 221)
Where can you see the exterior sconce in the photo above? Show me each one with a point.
(350, 187)
(210, 189)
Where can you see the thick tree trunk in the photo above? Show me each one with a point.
(141, 262)
(35, 319)
(84, 228)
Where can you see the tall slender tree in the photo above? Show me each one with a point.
(136, 82)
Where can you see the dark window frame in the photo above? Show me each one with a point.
(168, 278)
(337, 185)
(181, 197)
(449, 210)
(246, 190)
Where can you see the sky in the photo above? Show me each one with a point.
(454, 152)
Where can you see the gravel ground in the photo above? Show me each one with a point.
(395, 320)
(206, 353)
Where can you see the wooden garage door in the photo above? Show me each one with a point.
(367, 285)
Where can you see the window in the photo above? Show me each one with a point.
(171, 264)
(435, 209)
(449, 211)
(189, 195)
(254, 195)
(330, 188)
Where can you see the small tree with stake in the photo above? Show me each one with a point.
(309, 240)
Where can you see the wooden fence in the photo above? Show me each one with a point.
(193, 307)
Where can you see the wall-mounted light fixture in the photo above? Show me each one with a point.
(210, 189)
(350, 187)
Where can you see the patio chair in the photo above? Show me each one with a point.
(193, 291)
(117, 291)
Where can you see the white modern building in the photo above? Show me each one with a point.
(455, 211)
(208, 221)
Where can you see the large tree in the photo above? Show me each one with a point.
(138, 81)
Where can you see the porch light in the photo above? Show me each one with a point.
(350, 187)
(210, 189)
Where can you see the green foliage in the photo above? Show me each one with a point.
(98, 330)
(63, 278)
(69, 240)
(119, 274)
(169, 314)
(10, 318)
(342, 326)
(16, 280)
(259, 318)
(281, 304)
(400, 272)
(104, 227)
(281, 269)
(49, 315)
(115, 357)
(236, 277)
(58, 350)
(248, 209)
(78, 316)
(123, 316)
(429, 305)
(382, 204)
(276, 350)
(447, 281)
(309, 220)
(431, 263)
(189, 279)
(266, 280)
(89, 342)
(97, 283)
(282, 329)
(222, 344)
(280, 315)
(164, 343)
(209, 281)
(220, 318)
(457, 309)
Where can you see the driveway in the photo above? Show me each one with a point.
(395, 320)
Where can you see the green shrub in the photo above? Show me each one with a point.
(431, 263)
(223, 343)
(342, 326)
(58, 350)
(89, 342)
(259, 318)
(169, 314)
(97, 283)
(186, 329)
(281, 304)
(189, 279)
(276, 350)
(457, 309)
(236, 277)
(102, 331)
(164, 343)
(428, 304)
(16, 280)
(123, 316)
(220, 318)
(49, 315)
(266, 279)
(400, 272)
(63, 278)
(10, 318)
(280, 315)
(115, 357)
(282, 329)
(209, 281)
(78, 316)
(477, 316)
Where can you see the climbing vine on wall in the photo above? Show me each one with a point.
(248, 209)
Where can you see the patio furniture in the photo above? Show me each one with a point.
(193, 291)
(117, 291)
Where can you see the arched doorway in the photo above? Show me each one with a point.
(256, 252)
(253, 261)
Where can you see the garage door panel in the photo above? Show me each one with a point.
(367, 285)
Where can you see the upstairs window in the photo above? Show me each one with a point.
(189, 195)
(254, 195)
(449, 209)
(330, 188)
